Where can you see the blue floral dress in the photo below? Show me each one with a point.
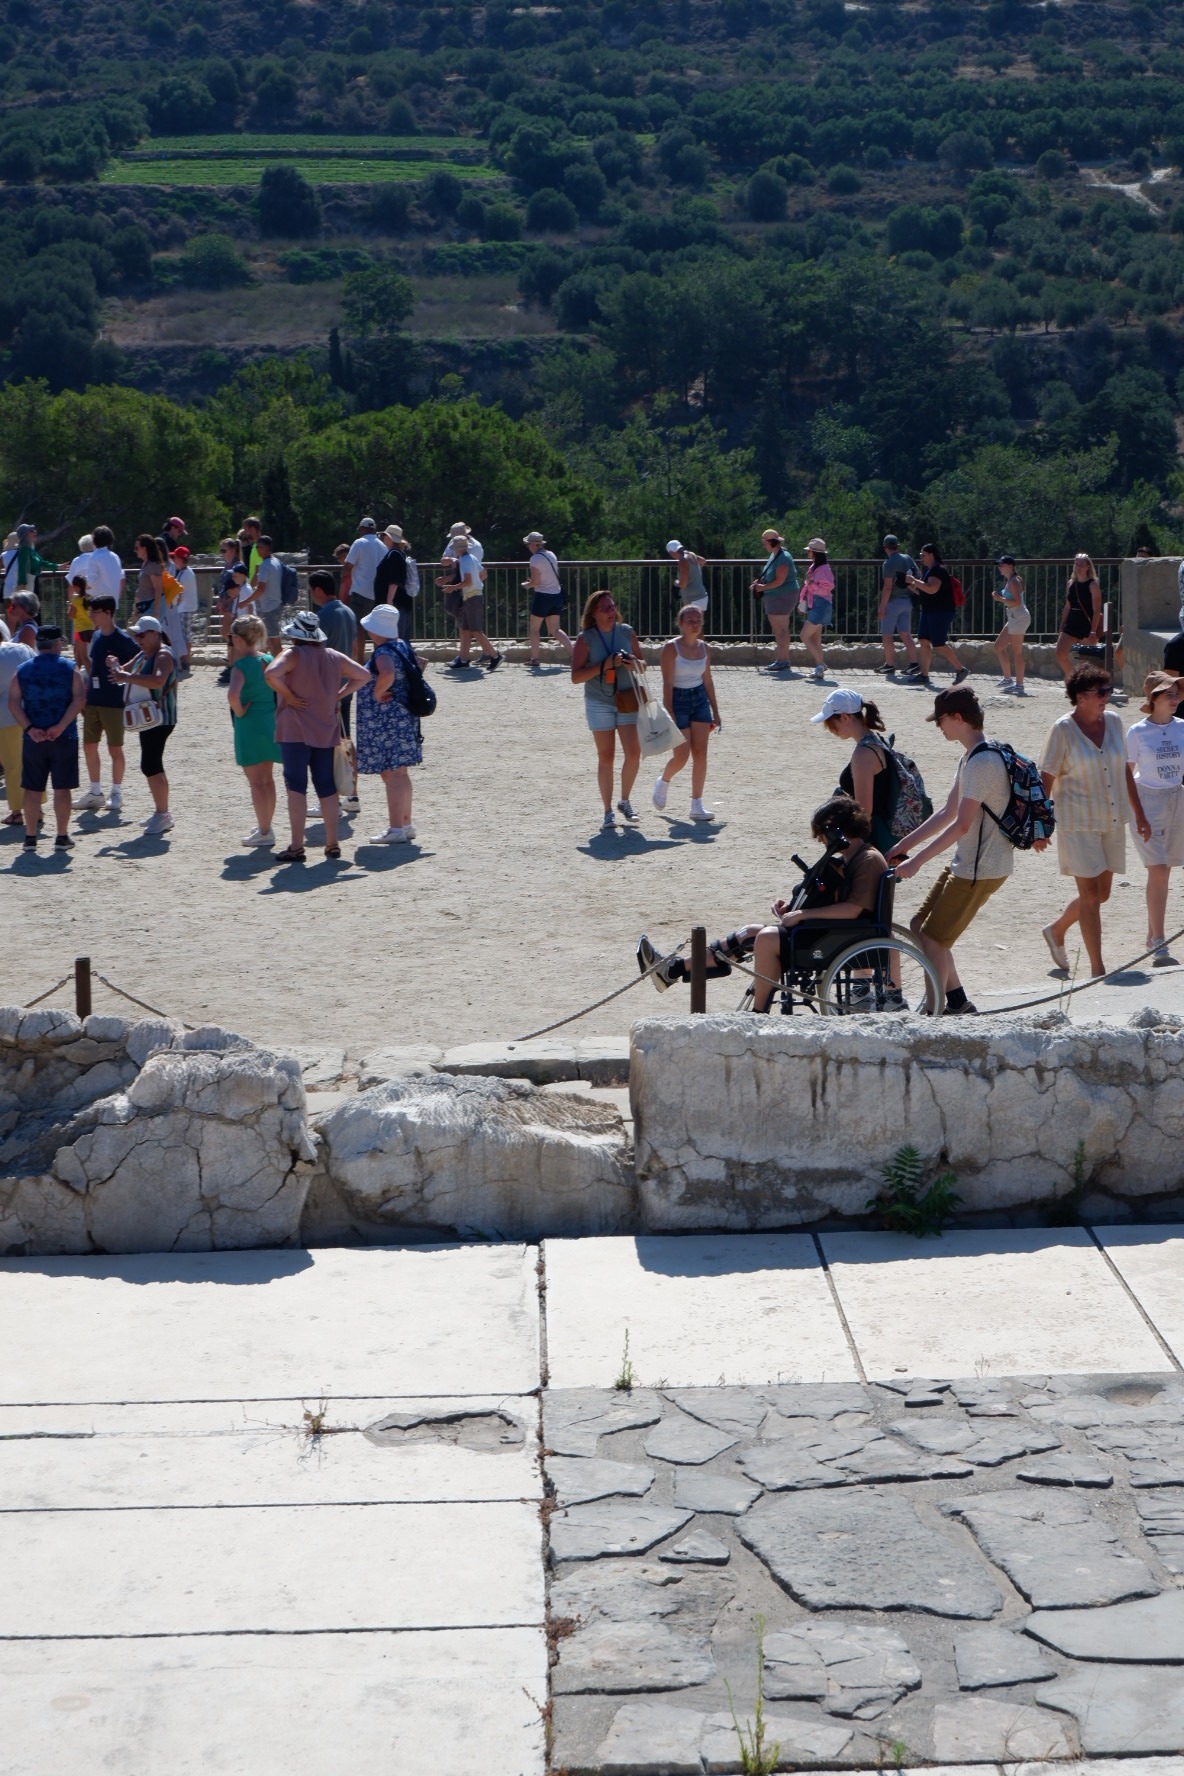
(388, 733)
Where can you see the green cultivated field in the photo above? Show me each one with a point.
(309, 144)
(323, 160)
(334, 170)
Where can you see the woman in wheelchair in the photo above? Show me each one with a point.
(842, 887)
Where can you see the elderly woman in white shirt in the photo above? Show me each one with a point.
(1155, 752)
(1085, 770)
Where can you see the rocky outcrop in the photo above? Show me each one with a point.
(745, 1122)
(470, 1156)
(141, 1137)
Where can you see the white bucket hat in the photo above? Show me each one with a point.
(304, 627)
(840, 702)
(458, 529)
(382, 620)
(395, 532)
(533, 536)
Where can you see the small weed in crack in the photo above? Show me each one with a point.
(626, 1376)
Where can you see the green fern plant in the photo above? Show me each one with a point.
(901, 1203)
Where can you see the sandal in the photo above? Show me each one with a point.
(290, 855)
(15, 819)
(333, 851)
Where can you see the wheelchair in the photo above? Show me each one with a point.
(849, 967)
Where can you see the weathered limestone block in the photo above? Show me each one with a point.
(201, 1145)
(488, 1156)
(748, 1122)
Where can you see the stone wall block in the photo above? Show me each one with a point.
(746, 1122)
(488, 1156)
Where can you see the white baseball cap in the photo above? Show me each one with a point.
(673, 546)
(839, 702)
(147, 626)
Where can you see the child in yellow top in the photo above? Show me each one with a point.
(81, 620)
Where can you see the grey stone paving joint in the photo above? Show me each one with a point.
(986, 1576)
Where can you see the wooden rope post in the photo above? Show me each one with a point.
(82, 999)
(698, 968)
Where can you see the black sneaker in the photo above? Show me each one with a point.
(457, 665)
(650, 962)
(491, 662)
(963, 673)
(30, 843)
(886, 670)
(63, 842)
(967, 1010)
(224, 676)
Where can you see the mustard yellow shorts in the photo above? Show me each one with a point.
(951, 904)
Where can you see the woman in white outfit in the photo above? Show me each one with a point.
(689, 696)
(1155, 752)
(546, 604)
(1009, 647)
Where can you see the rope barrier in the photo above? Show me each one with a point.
(607, 1000)
(142, 1003)
(30, 1003)
(1065, 992)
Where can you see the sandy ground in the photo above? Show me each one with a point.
(511, 908)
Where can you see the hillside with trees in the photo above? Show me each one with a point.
(640, 269)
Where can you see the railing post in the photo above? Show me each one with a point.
(698, 968)
(82, 1002)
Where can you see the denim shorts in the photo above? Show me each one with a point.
(605, 720)
(690, 705)
(820, 611)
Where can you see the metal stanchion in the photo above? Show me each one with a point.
(698, 968)
(82, 999)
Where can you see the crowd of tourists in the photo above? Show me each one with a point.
(303, 695)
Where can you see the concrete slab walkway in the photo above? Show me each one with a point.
(279, 1510)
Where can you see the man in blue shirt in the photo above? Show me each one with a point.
(44, 699)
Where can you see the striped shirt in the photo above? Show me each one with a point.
(1090, 787)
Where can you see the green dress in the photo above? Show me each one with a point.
(254, 733)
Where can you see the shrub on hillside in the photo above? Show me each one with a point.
(213, 262)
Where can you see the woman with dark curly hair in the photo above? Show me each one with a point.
(1085, 770)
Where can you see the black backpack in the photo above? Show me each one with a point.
(421, 698)
(1029, 815)
(289, 584)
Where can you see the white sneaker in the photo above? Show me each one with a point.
(394, 835)
(699, 812)
(90, 803)
(159, 823)
(115, 802)
(314, 811)
(350, 805)
(409, 831)
(259, 839)
(661, 790)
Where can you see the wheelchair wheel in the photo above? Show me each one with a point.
(860, 979)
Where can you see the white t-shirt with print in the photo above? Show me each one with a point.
(984, 854)
(364, 556)
(1155, 751)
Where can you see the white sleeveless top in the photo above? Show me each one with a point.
(689, 673)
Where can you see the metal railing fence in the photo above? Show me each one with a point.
(647, 592)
